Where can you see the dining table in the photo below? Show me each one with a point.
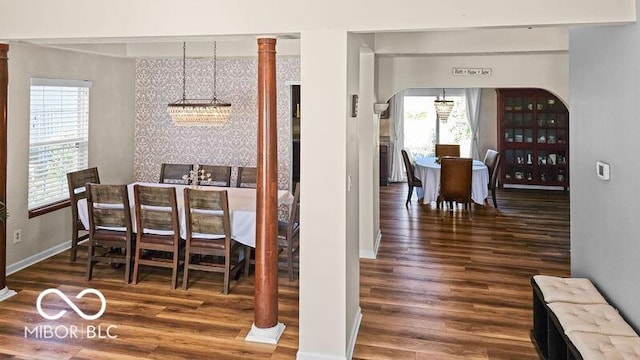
(427, 169)
(242, 210)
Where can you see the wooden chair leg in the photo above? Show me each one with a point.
(290, 260)
(227, 273)
(174, 273)
(74, 241)
(247, 258)
(136, 264)
(187, 261)
(89, 262)
(493, 196)
(409, 195)
(127, 261)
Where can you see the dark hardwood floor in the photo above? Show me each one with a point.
(443, 287)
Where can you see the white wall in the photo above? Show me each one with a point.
(483, 41)
(488, 132)
(369, 160)
(323, 223)
(545, 71)
(604, 126)
(111, 120)
(153, 18)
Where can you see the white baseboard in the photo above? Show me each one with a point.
(354, 334)
(313, 356)
(372, 254)
(31, 260)
(350, 347)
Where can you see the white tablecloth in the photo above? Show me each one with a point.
(242, 209)
(428, 171)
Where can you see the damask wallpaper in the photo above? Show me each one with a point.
(157, 140)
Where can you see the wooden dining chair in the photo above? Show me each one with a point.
(173, 173)
(220, 175)
(289, 232)
(247, 177)
(207, 213)
(455, 181)
(110, 227)
(412, 180)
(157, 228)
(447, 150)
(76, 182)
(492, 161)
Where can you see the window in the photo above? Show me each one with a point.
(422, 130)
(58, 137)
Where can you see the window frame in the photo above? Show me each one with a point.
(58, 203)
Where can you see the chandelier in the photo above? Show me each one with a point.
(199, 112)
(443, 107)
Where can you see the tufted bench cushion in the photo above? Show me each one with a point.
(569, 290)
(594, 318)
(605, 347)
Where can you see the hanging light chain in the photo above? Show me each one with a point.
(184, 70)
(215, 68)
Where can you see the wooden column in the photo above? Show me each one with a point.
(4, 84)
(266, 282)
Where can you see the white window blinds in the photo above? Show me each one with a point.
(58, 137)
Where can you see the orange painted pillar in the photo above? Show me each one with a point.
(266, 277)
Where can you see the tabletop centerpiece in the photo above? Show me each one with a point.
(196, 176)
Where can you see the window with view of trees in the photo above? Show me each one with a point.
(422, 129)
(58, 137)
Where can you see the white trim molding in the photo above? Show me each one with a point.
(350, 346)
(31, 260)
(6, 293)
(372, 254)
(266, 336)
(354, 333)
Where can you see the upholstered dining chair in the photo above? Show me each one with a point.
(220, 175)
(492, 161)
(247, 177)
(455, 181)
(207, 213)
(447, 150)
(289, 232)
(172, 173)
(110, 227)
(412, 180)
(157, 228)
(76, 182)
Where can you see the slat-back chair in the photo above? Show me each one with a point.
(492, 161)
(172, 173)
(220, 175)
(110, 227)
(247, 177)
(455, 181)
(289, 232)
(76, 182)
(207, 213)
(447, 150)
(157, 228)
(412, 180)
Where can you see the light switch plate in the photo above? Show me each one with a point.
(602, 170)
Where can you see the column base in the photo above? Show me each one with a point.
(266, 336)
(6, 293)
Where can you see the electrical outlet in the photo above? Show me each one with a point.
(17, 236)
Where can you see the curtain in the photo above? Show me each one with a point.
(473, 114)
(397, 137)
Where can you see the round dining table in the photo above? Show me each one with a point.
(428, 171)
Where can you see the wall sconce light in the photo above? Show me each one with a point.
(380, 108)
